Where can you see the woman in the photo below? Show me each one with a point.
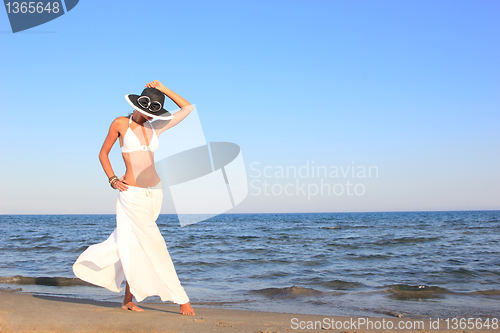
(136, 249)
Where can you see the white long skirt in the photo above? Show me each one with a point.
(135, 250)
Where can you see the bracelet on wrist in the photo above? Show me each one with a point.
(113, 182)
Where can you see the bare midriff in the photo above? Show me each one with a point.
(140, 169)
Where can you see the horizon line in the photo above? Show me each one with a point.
(349, 212)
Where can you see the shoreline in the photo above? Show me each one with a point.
(25, 312)
(413, 302)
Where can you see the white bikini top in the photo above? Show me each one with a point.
(132, 143)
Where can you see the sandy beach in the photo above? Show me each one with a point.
(20, 312)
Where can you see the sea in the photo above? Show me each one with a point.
(412, 264)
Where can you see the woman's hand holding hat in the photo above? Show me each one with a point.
(156, 84)
(181, 102)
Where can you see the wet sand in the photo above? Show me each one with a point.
(23, 312)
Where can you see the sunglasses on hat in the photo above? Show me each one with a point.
(145, 102)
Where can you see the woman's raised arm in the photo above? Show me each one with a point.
(186, 108)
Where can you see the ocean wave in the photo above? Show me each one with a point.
(44, 281)
(246, 237)
(404, 240)
(492, 293)
(341, 244)
(269, 275)
(408, 292)
(368, 257)
(339, 284)
(332, 284)
(46, 248)
(288, 292)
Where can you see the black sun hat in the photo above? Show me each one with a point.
(150, 103)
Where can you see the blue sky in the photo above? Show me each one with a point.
(411, 87)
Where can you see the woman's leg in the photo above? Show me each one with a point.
(127, 301)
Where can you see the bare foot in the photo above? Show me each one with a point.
(187, 310)
(131, 306)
